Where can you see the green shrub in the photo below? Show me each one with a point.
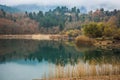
(93, 30)
(73, 33)
(116, 36)
(96, 30)
(109, 31)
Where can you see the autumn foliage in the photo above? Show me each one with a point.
(17, 24)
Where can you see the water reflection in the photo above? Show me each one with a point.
(55, 52)
(34, 59)
(102, 56)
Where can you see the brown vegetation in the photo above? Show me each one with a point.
(84, 41)
(86, 71)
(17, 23)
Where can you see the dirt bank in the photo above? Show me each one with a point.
(32, 36)
(36, 37)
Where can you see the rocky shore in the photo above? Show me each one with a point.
(107, 44)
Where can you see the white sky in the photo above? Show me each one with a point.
(90, 4)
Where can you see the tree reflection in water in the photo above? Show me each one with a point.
(55, 52)
(67, 60)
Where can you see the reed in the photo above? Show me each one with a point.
(83, 70)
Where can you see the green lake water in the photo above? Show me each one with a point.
(32, 59)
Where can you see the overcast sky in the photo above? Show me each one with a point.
(89, 4)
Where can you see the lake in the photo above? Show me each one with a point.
(35, 59)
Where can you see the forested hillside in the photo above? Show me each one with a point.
(17, 23)
(54, 21)
(63, 18)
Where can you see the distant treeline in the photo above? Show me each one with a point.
(54, 21)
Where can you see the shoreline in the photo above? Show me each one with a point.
(35, 36)
(105, 44)
(27, 36)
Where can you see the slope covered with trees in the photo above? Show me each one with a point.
(61, 20)
(55, 19)
(65, 19)
(16, 23)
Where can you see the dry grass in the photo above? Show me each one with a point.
(86, 71)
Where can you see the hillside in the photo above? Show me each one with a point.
(58, 20)
(16, 23)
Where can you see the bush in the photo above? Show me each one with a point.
(73, 33)
(93, 30)
(83, 41)
(109, 31)
(116, 36)
(96, 30)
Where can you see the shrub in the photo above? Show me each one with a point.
(96, 30)
(109, 31)
(116, 36)
(73, 33)
(83, 41)
(93, 30)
